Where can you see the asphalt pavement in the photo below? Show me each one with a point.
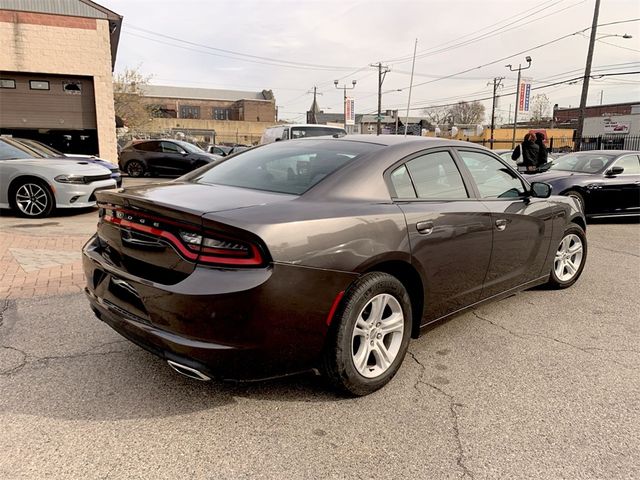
(544, 384)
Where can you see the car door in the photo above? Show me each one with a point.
(627, 183)
(522, 225)
(175, 159)
(449, 231)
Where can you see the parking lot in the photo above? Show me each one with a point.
(543, 384)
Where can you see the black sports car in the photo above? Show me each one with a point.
(163, 157)
(604, 182)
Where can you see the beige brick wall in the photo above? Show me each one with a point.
(85, 50)
(226, 131)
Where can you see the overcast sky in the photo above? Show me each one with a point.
(315, 42)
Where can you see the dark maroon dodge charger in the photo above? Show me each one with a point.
(324, 253)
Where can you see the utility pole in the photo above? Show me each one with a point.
(515, 115)
(344, 98)
(382, 73)
(497, 81)
(312, 118)
(587, 75)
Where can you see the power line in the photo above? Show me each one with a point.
(526, 50)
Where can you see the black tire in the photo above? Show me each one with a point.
(42, 200)
(338, 359)
(559, 283)
(578, 196)
(135, 168)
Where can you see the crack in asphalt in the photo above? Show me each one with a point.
(28, 359)
(3, 308)
(460, 459)
(524, 335)
(624, 252)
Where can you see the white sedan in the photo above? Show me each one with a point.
(33, 187)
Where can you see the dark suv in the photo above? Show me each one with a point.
(162, 157)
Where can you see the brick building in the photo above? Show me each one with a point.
(208, 115)
(210, 104)
(56, 62)
(567, 117)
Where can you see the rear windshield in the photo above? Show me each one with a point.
(284, 167)
(302, 132)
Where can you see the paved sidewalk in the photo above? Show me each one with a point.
(36, 264)
(42, 257)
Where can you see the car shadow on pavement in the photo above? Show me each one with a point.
(59, 212)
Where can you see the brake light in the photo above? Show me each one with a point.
(212, 248)
(215, 249)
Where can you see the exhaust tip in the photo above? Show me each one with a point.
(188, 371)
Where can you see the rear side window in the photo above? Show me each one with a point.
(493, 178)
(148, 146)
(284, 167)
(402, 183)
(435, 176)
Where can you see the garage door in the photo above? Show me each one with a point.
(31, 101)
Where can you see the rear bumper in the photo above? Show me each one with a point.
(229, 324)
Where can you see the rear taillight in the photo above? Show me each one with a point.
(212, 248)
(217, 249)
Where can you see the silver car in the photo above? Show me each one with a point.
(33, 187)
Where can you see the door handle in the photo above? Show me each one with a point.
(501, 224)
(424, 228)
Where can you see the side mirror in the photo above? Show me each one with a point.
(540, 190)
(184, 154)
(613, 171)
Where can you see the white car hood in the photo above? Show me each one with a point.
(64, 166)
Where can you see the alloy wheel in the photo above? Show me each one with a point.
(31, 199)
(377, 335)
(568, 257)
(135, 169)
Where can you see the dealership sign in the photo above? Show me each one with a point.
(524, 95)
(349, 112)
(613, 126)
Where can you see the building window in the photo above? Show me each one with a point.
(38, 84)
(188, 111)
(7, 83)
(72, 88)
(221, 114)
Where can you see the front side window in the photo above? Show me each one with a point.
(169, 147)
(435, 177)
(493, 178)
(9, 152)
(583, 162)
(284, 167)
(630, 163)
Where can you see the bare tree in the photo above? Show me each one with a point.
(128, 101)
(437, 116)
(540, 108)
(467, 113)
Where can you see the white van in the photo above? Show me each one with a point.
(287, 132)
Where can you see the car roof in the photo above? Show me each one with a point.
(608, 152)
(392, 140)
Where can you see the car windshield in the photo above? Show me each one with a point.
(42, 149)
(583, 162)
(284, 167)
(189, 147)
(9, 152)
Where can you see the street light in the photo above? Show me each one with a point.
(344, 99)
(515, 116)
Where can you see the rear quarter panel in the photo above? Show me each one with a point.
(341, 236)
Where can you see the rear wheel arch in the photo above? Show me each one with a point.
(412, 282)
